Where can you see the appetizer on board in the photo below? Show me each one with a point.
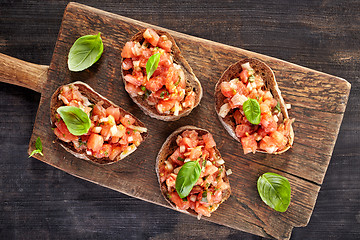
(157, 77)
(249, 104)
(92, 127)
(191, 172)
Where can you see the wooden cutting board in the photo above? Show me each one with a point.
(318, 103)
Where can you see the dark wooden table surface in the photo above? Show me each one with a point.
(39, 201)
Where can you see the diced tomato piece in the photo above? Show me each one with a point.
(127, 120)
(243, 130)
(189, 101)
(261, 132)
(244, 75)
(195, 153)
(132, 89)
(182, 83)
(104, 151)
(127, 50)
(203, 210)
(127, 64)
(114, 139)
(267, 144)
(95, 142)
(115, 152)
(99, 110)
(210, 169)
(151, 36)
(205, 153)
(249, 144)
(181, 204)
(165, 43)
(176, 156)
(63, 132)
(227, 90)
(133, 80)
(241, 88)
(105, 130)
(155, 83)
(279, 139)
(268, 123)
(165, 105)
(113, 111)
(238, 117)
(190, 134)
(171, 78)
(209, 140)
(161, 70)
(136, 136)
(217, 196)
(170, 181)
(265, 108)
(165, 60)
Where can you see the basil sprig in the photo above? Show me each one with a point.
(152, 64)
(252, 111)
(75, 119)
(187, 177)
(277, 107)
(85, 52)
(275, 191)
(38, 148)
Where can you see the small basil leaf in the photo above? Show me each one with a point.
(277, 107)
(85, 51)
(38, 146)
(152, 65)
(252, 111)
(187, 177)
(76, 120)
(275, 191)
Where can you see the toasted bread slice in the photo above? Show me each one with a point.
(191, 81)
(167, 149)
(270, 84)
(93, 97)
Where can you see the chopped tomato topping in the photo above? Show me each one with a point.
(151, 36)
(244, 76)
(166, 88)
(165, 43)
(95, 142)
(110, 133)
(249, 144)
(207, 190)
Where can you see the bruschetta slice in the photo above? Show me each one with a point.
(192, 145)
(157, 77)
(113, 134)
(253, 79)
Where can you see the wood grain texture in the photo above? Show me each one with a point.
(40, 199)
(21, 73)
(135, 175)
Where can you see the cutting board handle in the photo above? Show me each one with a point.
(21, 73)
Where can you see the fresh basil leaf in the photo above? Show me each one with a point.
(76, 120)
(85, 51)
(277, 107)
(252, 111)
(275, 191)
(152, 65)
(38, 146)
(187, 177)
